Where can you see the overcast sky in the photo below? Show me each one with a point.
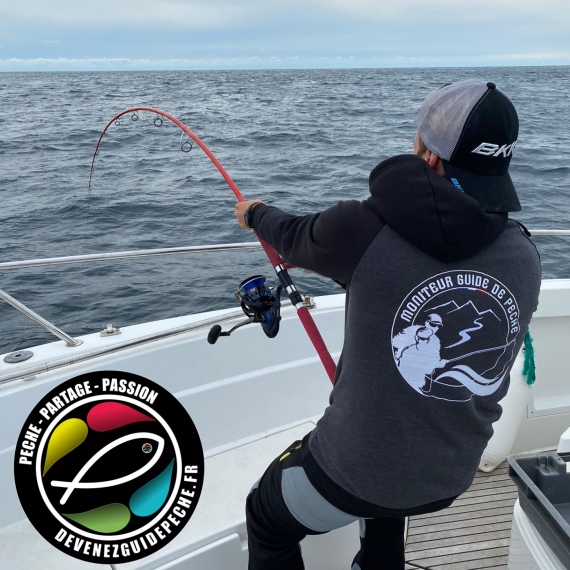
(251, 34)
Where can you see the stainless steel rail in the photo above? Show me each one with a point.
(128, 255)
(550, 232)
(69, 341)
(30, 371)
(239, 246)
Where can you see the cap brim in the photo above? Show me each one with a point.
(494, 193)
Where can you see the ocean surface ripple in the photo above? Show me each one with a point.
(301, 140)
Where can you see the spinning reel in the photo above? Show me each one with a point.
(260, 305)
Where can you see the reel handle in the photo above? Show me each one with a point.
(215, 333)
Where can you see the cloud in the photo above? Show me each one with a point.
(107, 63)
(290, 62)
(119, 62)
(122, 63)
(195, 34)
(561, 57)
(231, 13)
(132, 13)
(558, 56)
(452, 10)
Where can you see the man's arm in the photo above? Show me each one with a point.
(330, 243)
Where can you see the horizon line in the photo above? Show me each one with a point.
(411, 67)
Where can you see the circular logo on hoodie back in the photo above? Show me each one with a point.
(109, 467)
(454, 335)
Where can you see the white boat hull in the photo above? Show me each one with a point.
(249, 398)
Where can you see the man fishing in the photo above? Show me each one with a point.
(384, 449)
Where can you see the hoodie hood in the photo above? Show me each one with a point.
(426, 209)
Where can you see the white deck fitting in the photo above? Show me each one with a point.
(473, 533)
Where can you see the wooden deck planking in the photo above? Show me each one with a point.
(489, 563)
(469, 538)
(441, 537)
(472, 534)
(461, 510)
(501, 469)
(495, 483)
(471, 531)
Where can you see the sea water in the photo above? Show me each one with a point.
(301, 140)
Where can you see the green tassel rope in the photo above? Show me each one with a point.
(529, 368)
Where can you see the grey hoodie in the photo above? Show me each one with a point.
(439, 297)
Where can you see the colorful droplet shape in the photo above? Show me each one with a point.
(112, 415)
(65, 438)
(150, 497)
(105, 519)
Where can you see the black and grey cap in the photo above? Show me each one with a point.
(473, 127)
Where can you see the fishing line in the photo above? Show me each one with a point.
(186, 146)
(205, 180)
(276, 262)
(257, 149)
(265, 168)
(113, 214)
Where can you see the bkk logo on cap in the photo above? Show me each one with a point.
(109, 467)
(490, 149)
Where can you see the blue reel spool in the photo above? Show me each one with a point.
(253, 290)
(259, 303)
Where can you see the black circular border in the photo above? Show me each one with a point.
(166, 405)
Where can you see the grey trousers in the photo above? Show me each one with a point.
(283, 507)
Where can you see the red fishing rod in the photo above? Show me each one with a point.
(276, 262)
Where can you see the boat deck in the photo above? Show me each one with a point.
(473, 533)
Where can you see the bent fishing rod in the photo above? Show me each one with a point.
(257, 300)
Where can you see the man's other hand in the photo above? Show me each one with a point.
(241, 208)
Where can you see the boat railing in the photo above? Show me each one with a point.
(30, 372)
(132, 254)
(69, 341)
(549, 232)
(50, 261)
(113, 256)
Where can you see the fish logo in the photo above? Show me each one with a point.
(87, 487)
(454, 336)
